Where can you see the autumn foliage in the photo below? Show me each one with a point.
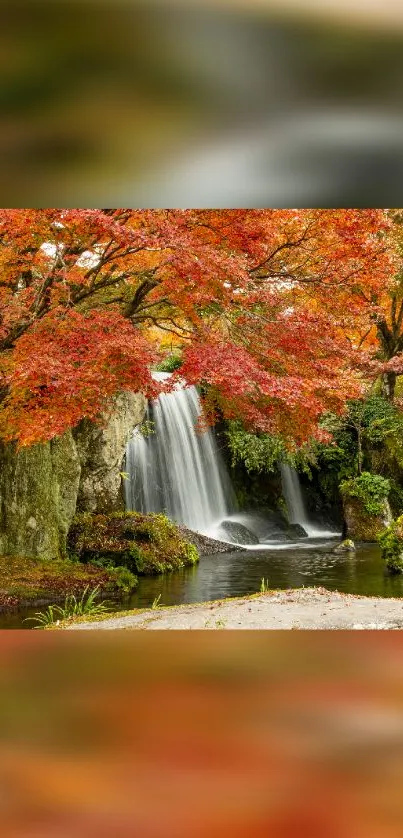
(272, 309)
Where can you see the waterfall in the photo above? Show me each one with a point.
(176, 469)
(293, 495)
(295, 503)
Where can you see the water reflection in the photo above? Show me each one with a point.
(236, 574)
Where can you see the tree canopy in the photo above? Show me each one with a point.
(279, 314)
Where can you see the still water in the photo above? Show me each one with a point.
(238, 573)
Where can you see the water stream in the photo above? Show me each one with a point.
(296, 505)
(176, 469)
(180, 471)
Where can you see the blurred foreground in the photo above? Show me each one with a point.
(187, 735)
(220, 104)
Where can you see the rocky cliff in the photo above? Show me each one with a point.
(42, 487)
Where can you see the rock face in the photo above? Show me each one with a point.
(42, 486)
(38, 491)
(362, 526)
(101, 451)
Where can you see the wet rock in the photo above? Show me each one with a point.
(234, 531)
(297, 531)
(206, 545)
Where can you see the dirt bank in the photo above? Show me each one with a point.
(306, 608)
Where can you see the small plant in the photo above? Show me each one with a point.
(156, 603)
(220, 624)
(147, 428)
(50, 617)
(125, 580)
(85, 606)
(264, 586)
(169, 364)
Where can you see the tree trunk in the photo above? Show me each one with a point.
(359, 454)
(389, 385)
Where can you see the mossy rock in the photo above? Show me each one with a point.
(391, 542)
(365, 506)
(362, 526)
(146, 544)
(346, 546)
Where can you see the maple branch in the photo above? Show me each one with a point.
(148, 284)
(171, 330)
(363, 339)
(286, 245)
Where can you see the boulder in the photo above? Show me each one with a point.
(297, 530)
(236, 532)
(365, 506)
(361, 525)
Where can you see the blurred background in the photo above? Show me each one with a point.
(226, 103)
(171, 735)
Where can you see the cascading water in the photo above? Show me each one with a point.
(175, 469)
(293, 495)
(180, 472)
(295, 503)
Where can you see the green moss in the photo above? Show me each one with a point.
(371, 489)
(145, 544)
(391, 542)
(27, 580)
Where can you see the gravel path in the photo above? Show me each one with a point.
(306, 608)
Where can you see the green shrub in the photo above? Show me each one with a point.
(125, 580)
(169, 364)
(371, 489)
(144, 544)
(257, 452)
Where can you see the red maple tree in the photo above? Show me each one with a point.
(257, 300)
